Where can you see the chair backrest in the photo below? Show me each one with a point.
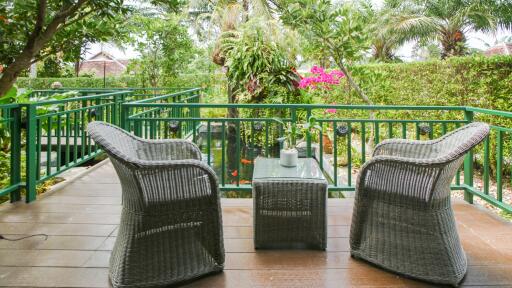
(121, 148)
(452, 147)
(455, 144)
(113, 140)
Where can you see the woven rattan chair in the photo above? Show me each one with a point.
(402, 219)
(171, 227)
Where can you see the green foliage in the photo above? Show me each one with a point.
(5, 169)
(472, 81)
(33, 30)
(78, 82)
(294, 130)
(447, 22)
(165, 48)
(10, 96)
(52, 66)
(215, 84)
(257, 63)
(339, 29)
(18, 19)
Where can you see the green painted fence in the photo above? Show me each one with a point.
(49, 137)
(46, 138)
(350, 127)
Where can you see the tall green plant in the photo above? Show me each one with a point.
(257, 63)
(32, 30)
(341, 30)
(449, 21)
(164, 45)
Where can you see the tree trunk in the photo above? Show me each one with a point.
(38, 38)
(453, 43)
(77, 67)
(245, 7)
(353, 84)
(232, 133)
(10, 74)
(361, 94)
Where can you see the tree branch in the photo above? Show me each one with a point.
(38, 27)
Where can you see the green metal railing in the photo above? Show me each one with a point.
(137, 93)
(10, 137)
(49, 137)
(139, 115)
(254, 132)
(45, 139)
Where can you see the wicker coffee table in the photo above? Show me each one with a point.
(289, 205)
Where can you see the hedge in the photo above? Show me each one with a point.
(478, 81)
(474, 81)
(467, 81)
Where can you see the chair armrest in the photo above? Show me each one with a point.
(168, 149)
(399, 176)
(406, 148)
(166, 184)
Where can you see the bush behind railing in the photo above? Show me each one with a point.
(469, 81)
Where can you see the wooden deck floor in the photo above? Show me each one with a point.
(81, 221)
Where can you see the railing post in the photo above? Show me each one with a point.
(468, 164)
(308, 136)
(124, 116)
(115, 110)
(31, 161)
(15, 152)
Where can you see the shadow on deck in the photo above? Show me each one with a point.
(81, 221)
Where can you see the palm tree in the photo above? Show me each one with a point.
(448, 21)
(384, 39)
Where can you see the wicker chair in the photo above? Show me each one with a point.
(402, 219)
(171, 227)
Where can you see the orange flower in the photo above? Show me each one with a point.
(246, 161)
(234, 173)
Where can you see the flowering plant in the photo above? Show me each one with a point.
(294, 130)
(321, 79)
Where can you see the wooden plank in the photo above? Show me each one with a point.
(57, 229)
(53, 277)
(82, 219)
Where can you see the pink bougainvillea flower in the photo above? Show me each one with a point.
(317, 70)
(331, 110)
(321, 79)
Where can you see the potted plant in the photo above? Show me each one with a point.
(288, 156)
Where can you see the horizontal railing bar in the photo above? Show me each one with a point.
(10, 106)
(341, 188)
(110, 89)
(75, 163)
(210, 119)
(144, 101)
(60, 113)
(83, 98)
(490, 199)
(490, 112)
(389, 121)
(351, 120)
(299, 106)
(146, 112)
(499, 128)
(9, 189)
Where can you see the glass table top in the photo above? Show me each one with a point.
(307, 168)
